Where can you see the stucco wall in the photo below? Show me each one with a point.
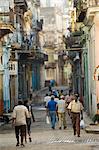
(96, 20)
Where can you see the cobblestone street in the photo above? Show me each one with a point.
(43, 137)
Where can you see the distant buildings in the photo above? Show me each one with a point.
(54, 27)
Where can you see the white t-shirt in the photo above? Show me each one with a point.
(56, 99)
(20, 113)
(47, 99)
(61, 106)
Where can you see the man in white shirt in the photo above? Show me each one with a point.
(75, 108)
(20, 113)
(47, 98)
(62, 112)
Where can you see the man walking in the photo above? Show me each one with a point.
(75, 108)
(20, 113)
(62, 112)
(52, 107)
(47, 98)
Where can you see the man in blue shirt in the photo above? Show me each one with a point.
(52, 107)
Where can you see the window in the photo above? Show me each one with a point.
(48, 3)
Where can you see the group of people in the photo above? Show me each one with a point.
(57, 106)
(21, 120)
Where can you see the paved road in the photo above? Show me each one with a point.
(43, 137)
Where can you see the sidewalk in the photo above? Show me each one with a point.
(43, 137)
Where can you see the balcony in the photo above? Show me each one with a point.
(6, 22)
(50, 65)
(41, 56)
(86, 8)
(30, 56)
(93, 8)
(21, 3)
(37, 3)
(93, 3)
(38, 25)
(76, 40)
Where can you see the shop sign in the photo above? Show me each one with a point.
(13, 67)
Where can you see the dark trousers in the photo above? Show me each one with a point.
(76, 123)
(20, 130)
(28, 121)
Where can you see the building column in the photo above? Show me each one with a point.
(42, 76)
(6, 90)
(1, 81)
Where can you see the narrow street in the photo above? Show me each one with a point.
(46, 45)
(43, 137)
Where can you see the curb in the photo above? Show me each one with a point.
(92, 129)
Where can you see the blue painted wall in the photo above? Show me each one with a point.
(35, 76)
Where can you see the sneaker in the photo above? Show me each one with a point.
(59, 128)
(74, 132)
(30, 140)
(65, 127)
(17, 144)
(53, 128)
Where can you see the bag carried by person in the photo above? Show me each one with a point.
(47, 120)
(82, 124)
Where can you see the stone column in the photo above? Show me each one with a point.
(1, 81)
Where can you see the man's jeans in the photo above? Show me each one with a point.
(53, 118)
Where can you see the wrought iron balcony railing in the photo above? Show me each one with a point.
(21, 3)
(76, 40)
(6, 15)
(6, 21)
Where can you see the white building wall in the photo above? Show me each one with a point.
(92, 67)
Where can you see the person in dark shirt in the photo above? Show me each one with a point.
(52, 108)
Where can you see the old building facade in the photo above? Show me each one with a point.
(21, 57)
(87, 23)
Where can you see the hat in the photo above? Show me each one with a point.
(76, 94)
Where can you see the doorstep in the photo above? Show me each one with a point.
(92, 129)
